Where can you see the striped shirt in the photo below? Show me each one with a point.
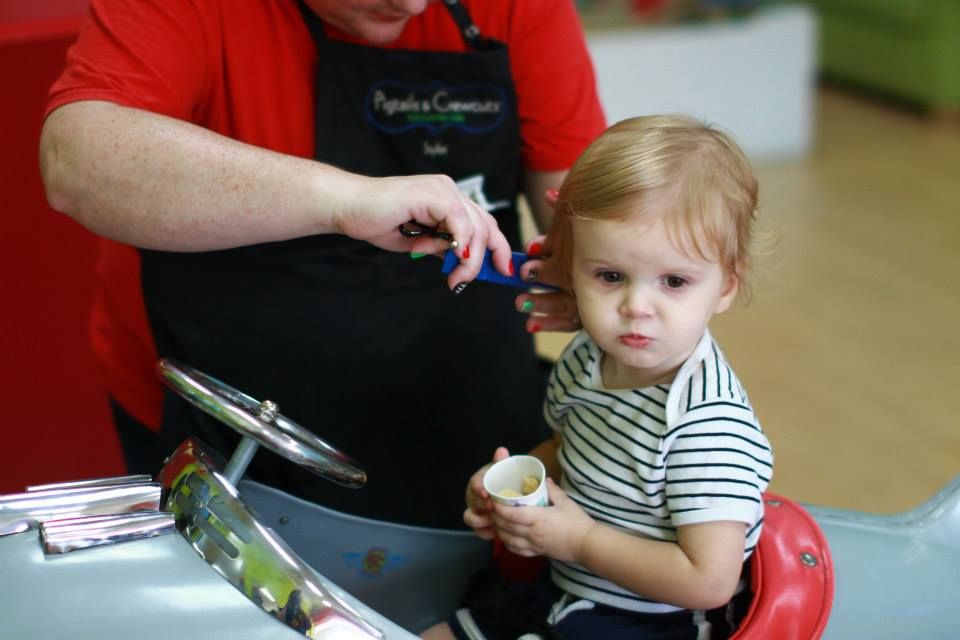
(647, 461)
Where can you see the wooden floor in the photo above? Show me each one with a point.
(850, 350)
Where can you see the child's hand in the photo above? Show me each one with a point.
(557, 531)
(478, 516)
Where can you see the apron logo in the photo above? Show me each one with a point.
(395, 108)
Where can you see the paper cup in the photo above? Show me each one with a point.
(504, 481)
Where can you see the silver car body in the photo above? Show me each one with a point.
(200, 553)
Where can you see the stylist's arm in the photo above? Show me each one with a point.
(162, 183)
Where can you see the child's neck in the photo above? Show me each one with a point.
(616, 376)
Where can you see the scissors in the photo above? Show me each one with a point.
(488, 272)
(414, 229)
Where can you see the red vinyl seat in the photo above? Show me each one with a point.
(791, 576)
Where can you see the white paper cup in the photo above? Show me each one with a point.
(504, 481)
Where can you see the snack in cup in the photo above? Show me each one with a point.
(517, 481)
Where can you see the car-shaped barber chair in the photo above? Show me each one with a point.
(201, 553)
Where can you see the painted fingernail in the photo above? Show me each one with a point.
(553, 193)
(416, 256)
(534, 328)
(457, 290)
(535, 250)
(527, 306)
(466, 252)
(510, 267)
(532, 274)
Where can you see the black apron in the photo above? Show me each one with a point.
(367, 348)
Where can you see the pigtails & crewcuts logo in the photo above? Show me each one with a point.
(394, 108)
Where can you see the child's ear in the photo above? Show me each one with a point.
(729, 293)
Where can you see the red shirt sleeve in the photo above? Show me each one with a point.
(138, 53)
(560, 110)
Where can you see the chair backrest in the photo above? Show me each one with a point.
(791, 576)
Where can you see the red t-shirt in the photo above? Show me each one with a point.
(246, 70)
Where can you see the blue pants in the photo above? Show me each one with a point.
(499, 611)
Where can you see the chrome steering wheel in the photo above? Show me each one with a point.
(260, 423)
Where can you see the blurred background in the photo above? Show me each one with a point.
(850, 112)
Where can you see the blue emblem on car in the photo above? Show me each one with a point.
(374, 562)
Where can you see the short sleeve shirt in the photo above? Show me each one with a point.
(650, 460)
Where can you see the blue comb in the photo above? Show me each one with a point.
(489, 273)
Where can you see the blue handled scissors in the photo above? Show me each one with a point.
(488, 273)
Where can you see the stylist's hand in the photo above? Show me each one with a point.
(379, 206)
(549, 310)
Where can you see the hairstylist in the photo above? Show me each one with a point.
(260, 156)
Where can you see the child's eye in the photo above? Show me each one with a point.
(610, 276)
(674, 282)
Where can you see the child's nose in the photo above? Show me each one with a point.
(637, 302)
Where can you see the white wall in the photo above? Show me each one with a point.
(753, 77)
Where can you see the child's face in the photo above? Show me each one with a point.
(645, 302)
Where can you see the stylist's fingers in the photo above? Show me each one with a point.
(540, 267)
(535, 246)
(425, 246)
(471, 234)
(378, 206)
(551, 196)
(502, 253)
(459, 217)
(544, 270)
(486, 235)
(549, 311)
(530, 270)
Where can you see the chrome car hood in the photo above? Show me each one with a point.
(153, 583)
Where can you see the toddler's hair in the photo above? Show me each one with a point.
(700, 173)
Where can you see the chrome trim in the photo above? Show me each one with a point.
(95, 482)
(250, 556)
(260, 422)
(63, 536)
(22, 511)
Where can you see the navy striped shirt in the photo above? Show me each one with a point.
(650, 460)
